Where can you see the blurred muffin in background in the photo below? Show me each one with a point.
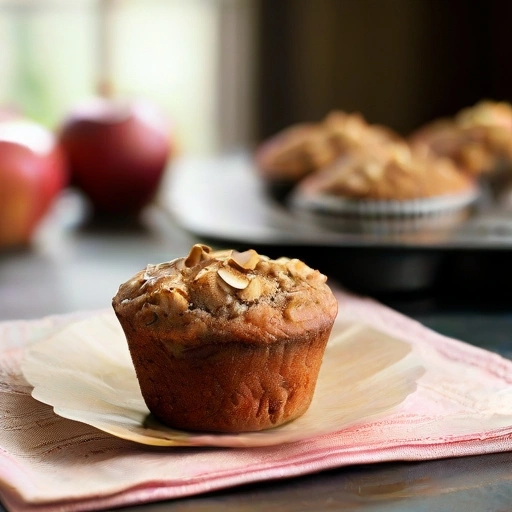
(291, 154)
(349, 132)
(295, 152)
(486, 113)
(477, 138)
(391, 188)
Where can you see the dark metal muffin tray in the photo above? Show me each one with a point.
(223, 202)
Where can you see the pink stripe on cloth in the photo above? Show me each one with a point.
(462, 406)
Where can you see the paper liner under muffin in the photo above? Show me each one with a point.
(383, 216)
(366, 374)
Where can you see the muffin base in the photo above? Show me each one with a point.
(230, 386)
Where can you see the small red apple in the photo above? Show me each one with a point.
(32, 172)
(117, 151)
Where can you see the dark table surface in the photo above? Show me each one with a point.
(75, 264)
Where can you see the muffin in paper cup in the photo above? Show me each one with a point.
(391, 190)
(223, 341)
(477, 138)
(284, 159)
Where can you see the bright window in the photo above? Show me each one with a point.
(170, 51)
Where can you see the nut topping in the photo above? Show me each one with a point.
(221, 254)
(253, 290)
(180, 299)
(246, 260)
(197, 254)
(233, 277)
(202, 273)
(225, 283)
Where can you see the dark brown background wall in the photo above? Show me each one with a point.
(399, 62)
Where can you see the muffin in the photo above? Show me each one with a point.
(349, 132)
(226, 341)
(486, 113)
(478, 139)
(393, 187)
(284, 159)
(302, 149)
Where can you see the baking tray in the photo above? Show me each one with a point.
(222, 201)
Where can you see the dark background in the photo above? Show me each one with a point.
(399, 62)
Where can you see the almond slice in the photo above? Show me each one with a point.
(201, 273)
(222, 254)
(196, 254)
(246, 260)
(253, 291)
(233, 277)
(179, 299)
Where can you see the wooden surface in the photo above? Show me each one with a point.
(466, 484)
(75, 265)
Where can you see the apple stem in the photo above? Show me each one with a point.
(105, 85)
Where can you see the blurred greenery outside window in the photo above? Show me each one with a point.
(184, 55)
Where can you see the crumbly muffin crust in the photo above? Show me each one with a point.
(304, 148)
(486, 113)
(295, 152)
(246, 295)
(393, 172)
(350, 132)
(478, 139)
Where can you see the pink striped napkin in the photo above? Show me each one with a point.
(462, 406)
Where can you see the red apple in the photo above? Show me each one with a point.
(117, 152)
(32, 172)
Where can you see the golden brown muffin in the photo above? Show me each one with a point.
(478, 139)
(287, 157)
(350, 132)
(226, 341)
(486, 113)
(394, 173)
(294, 152)
(392, 190)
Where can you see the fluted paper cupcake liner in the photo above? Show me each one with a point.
(383, 215)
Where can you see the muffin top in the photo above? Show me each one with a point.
(294, 152)
(486, 113)
(352, 132)
(304, 148)
(394, 172)
(215, 296)
(477, 138)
